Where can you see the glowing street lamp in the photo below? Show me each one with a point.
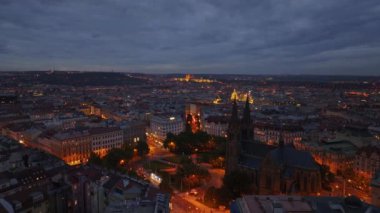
(122, 162)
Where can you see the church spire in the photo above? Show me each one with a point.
(281, 142)
(233, 145)
(247, 112)
(234, 123)
(234, 115)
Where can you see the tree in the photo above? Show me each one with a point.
(115, 157)
(142, 148)
(170, 137)
(201, 140)
(129, 150)
(188, 142)
(94, 159)
(190, 174)
(220, 143)
(189, 120)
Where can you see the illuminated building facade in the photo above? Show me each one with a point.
(74, 146)
(270, 134)
(103, 139)
(337, 155)
(160, 126)
(367, 161)
(217, 100)
(215, 125)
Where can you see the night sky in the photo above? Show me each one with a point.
(192, 36)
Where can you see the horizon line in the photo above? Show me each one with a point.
(184, 73)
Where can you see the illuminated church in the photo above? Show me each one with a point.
(274, 169)
(241, 96)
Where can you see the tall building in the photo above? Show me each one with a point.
(274, 170)
(193, 116)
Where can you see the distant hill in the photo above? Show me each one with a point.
(75, 78)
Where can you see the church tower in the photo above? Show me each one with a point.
(233, 141)
(246, 127)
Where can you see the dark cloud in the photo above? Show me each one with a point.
(239, 36)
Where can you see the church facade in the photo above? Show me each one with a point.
(274, 169)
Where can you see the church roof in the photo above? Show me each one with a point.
(290, 157)
(256, 149)
(251, 162)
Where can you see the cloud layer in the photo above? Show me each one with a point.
(198, 36)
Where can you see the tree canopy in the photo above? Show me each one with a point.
(187, 142)
(142, 148)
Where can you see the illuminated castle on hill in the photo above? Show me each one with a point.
(190, 78)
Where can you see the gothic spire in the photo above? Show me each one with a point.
(281, 142)
(247, 111)
(234, 115)
(233, 145)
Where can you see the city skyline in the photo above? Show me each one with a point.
(117, 142)
(239, 37)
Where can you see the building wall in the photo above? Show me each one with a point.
(301, 181)
(160, 126)
(134, 133)
(375, 195)
(335, 161)
(367, 162)
(271, 136)
(216, 129)
(75, 151)
(102, 143)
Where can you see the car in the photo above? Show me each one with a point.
(193, 192)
